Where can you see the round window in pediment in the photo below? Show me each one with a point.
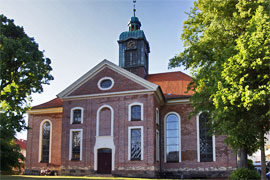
(105, 83)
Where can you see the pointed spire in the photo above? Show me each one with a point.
(134, 8)
(134, 23)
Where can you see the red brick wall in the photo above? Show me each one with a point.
(121, 124)
(121, 83)
(33, 136)
(225, 158)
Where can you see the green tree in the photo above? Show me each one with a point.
(227, 50)
(23, 71)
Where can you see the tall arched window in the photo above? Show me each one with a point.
(206, 142)
(172, 138)
(45, 141)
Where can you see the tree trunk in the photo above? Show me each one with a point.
(263, 164)
(242, 160)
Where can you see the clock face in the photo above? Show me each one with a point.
(131, 44)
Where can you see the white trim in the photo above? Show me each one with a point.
(70, 142)
(198, 140)
(129, 141)
(105, 63)
(157, 145)
(178, 101)
(102, 95)
(40, 139)
(198, 137)
(165, 143)
(157, 116)
(214, 147)
(71, 114)
(98, 117)
(45, 111)
(129, 110)
(105, 78)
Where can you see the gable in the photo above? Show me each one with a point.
(121, 83)
(124, 82)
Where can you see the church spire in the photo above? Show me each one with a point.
(134, 23)
(134, 8)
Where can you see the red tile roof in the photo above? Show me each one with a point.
(50, 104)
(172, 84)
(21, 143)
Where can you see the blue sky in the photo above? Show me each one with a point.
(78, 34)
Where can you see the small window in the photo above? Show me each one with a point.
(136, 112)
(157, 116)
(75, 144)
(76, 115)
(105, 83)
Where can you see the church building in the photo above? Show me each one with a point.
(123, 121)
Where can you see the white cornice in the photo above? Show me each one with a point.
(112, 94)
(178, 101)
(46, 111)
(98, 68)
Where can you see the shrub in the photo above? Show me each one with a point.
(244, 174)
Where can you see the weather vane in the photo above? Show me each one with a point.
(134, 9)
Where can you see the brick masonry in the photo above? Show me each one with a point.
(149, 166)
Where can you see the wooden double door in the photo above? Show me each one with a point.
(104, 161)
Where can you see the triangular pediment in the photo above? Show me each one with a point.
(123, 81)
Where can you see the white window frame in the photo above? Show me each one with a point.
(72, 112)
(129, 110)
(104, 78)
(198, 141)
(157, 116)
(41, 137)
(70, 142)
(129, 141)
(157, 145)
(165, 138)
(98, 118)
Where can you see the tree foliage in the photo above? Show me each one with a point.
(23, 71)
(227, 50)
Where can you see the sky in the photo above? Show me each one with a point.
(78, 34)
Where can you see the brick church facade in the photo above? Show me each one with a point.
(123, 121)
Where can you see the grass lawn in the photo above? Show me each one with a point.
(22, 177)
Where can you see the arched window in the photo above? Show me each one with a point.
(135, 112)
(104, 121)
(45, 142)
(206, 143)
(172, 138)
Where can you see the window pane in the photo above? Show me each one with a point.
(173, 153)
(136, 113)
(172, 138)
(45, 142)
(106, 83)
(172, 125)
(172, 141)
(77, 115)
(136, 144)
(206, 141)
(172, 133)
(76, 141)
